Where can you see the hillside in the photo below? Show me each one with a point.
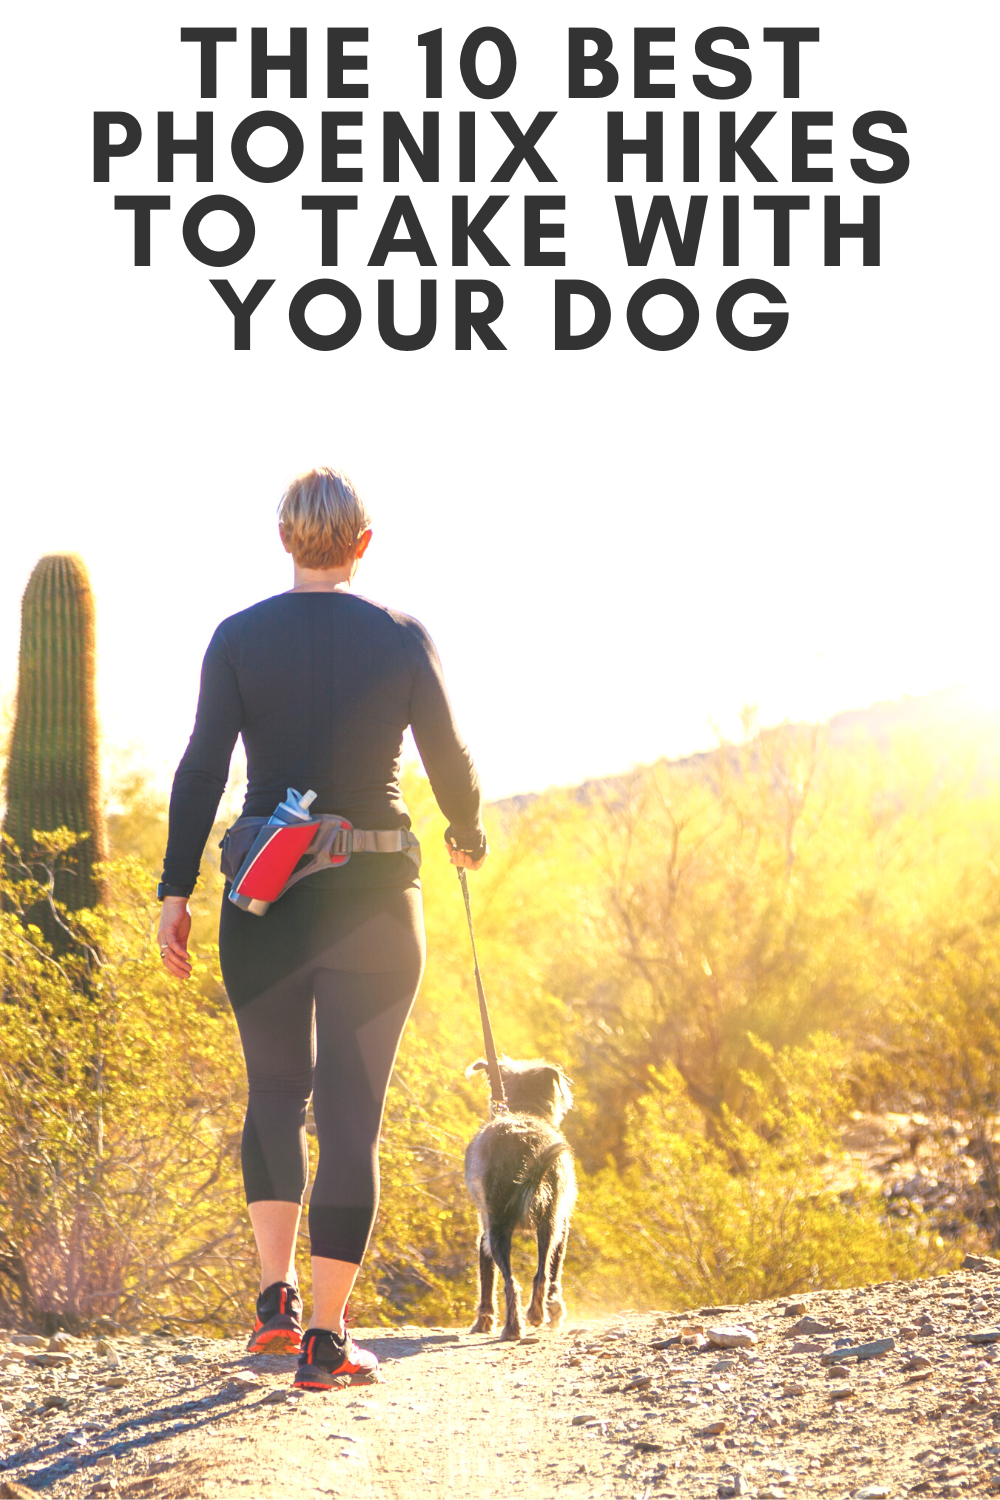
(947, 722)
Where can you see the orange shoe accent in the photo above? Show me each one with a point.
(274, 1341)
(356, 1367)
(277, 1329)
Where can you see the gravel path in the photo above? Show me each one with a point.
(763, 1401)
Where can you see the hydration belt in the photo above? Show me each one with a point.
(291, 853)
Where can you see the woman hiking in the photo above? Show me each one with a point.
(321, 684)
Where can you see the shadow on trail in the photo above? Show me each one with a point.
(395, 1347)
(145, 1430)
(176, 1419)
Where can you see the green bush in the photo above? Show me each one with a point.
(682, 1225)
(120, 1113)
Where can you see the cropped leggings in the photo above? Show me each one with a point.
(321, 987)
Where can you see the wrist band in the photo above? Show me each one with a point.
(166, 889)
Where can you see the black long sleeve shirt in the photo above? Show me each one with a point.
(322, 687)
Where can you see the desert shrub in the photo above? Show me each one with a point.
(682, 1226)
(776, 891)
(120, 1110)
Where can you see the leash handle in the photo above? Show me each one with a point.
(497, 1093)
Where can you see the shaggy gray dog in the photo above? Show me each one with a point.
(519, 1171)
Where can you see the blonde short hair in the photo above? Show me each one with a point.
(322, 517)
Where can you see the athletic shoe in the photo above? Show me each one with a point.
(277, 1328)
(327, 1363)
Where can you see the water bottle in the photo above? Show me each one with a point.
(276, 851)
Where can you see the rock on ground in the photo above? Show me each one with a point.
(630, 1406)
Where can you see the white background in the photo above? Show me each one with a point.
(614, 549)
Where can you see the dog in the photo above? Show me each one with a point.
(519, 1172)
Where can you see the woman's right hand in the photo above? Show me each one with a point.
(175, 928)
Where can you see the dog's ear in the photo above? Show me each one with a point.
(563, 1086)
(480, 1066)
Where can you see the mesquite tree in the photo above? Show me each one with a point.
(52, 772)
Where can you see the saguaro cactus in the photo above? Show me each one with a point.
(52, 772)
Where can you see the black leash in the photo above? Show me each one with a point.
(497, 1094)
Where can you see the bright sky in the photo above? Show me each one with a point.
(613, 549)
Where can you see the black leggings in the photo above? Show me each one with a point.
(321, 986)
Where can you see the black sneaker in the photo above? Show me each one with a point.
(327, 1363)
(277, 1329)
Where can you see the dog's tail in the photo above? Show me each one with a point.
(526, 1186)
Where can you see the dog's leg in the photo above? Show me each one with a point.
(486, 1315)
(545, 1226)
(554, 1306)
(500, 1245)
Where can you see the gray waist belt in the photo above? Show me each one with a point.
(332, 845)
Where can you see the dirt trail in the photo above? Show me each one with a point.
(591, 1410)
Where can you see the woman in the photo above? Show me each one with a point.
(321, 684)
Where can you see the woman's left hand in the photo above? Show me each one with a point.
(465, 861)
